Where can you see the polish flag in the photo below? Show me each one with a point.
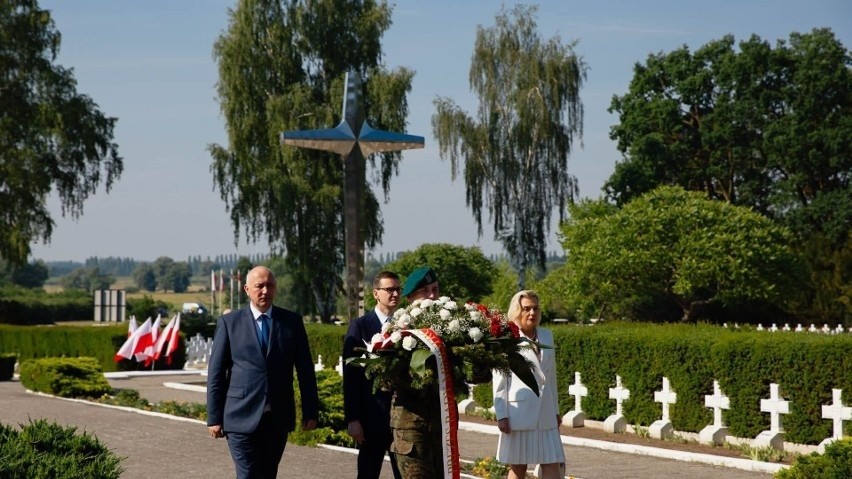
(127, 349)
(143, 340)
(148, 351)
(173, 340)
(131, 326)
(221, 280)
(165, 337)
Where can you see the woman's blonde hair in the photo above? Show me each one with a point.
(515, 306)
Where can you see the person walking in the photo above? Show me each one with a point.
(529, 422)
(250, 397)
(367, 413)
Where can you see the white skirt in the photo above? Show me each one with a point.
(531, 447)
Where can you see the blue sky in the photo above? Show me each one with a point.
(149, 63)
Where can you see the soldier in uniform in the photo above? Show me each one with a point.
(415, 416)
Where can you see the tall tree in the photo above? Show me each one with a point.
(515, 153)
(51, 136)
(281, 67)
(762, 127)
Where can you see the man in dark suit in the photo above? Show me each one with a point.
(250, 397)
(368, 413)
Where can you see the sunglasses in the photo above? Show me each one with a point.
(396, 290)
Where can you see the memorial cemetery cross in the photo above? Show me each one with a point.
(716, 432)
(318, 366)
(617, 422)
(353, 139)
(339, 367)
(775, 406)
(576, 417)
(663, 428)
(837, 413)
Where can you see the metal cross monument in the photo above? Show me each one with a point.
(353, 139)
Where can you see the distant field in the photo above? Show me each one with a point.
(198, 292)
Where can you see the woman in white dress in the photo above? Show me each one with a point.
(529, 423)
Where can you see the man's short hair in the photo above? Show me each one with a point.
(384, 275)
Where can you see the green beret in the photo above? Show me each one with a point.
(418, 278)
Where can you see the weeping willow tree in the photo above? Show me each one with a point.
(515, 152)
(281, 67)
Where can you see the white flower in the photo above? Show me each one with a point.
(475, 334)
(415, 311)
(409, 342)
(417, 302)
(377, 338)
(386, 326)
(444, 314)
(454, 325)
(444, 299)
(474, 315)
(395, 336)
(451, 305)
(469, 307)
(426, 303)
(398, 313)
(403, 322)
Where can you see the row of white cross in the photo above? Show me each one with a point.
(826, 329)
(775, 405)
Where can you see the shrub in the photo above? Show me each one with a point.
(65, 377)
(836, 463)
(331, 428)
(43, 449)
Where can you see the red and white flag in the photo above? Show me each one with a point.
(221, 280)
(131, 326)
(143, 340)
(148, 351)
(166, 336)
(173, 340)
(129, 347)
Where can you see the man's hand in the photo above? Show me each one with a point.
(309, 425)
(503, 425)
(356, 431)
(216, 431)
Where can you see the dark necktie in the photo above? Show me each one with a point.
(264, 332)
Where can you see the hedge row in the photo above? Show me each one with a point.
(100, 341)
(806, 367)
(65, 377)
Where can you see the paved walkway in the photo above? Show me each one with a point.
(159, 446)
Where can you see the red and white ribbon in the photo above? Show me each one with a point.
(449, 411)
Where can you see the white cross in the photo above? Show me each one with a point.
(799, 328)
(318, 365)
(579, 391)
(825, 328)
(666, 397)
(760, 327)
(786, 327)
(773, 328)
(837, 413)
(717, 401)
(839, 329)
(619, 393)
(339, 367)
(813, 328)
(775, 406)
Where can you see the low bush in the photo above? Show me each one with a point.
(43, 449)
(836, 463)
(65, 377)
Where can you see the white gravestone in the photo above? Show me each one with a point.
(467, 406)
(837, 413)
(339, 367)
(576, 417)
(318, 366)
(663, 428)
(775, 406)
(617, 422)
(716, 432)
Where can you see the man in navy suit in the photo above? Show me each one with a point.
(250, 398)
(368, 413)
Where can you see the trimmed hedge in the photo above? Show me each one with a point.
(806, 366)
(24, 306)
(65, 377)
(42, 449)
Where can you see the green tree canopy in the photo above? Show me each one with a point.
(675, 247)
(145, 278)
(281, 67)
(87, 279)
(464, 273)
(515, 152)
(52, 138)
